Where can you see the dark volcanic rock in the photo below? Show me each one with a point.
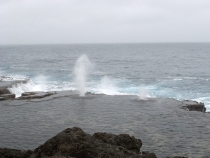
(35, 95)
(146, 154)
(2, 98)
(13, 153)
(124, 140)
(28, 94)
(74, 142)
(4, 90)
(8, 96)
(193, 106)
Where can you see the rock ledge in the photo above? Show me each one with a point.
(193, 106)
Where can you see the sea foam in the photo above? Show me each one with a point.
(22, 87)
(107, 86)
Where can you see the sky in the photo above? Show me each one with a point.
(103, 21)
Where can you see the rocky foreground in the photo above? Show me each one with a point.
(75, 143)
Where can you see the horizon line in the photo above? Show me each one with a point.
(30, 44)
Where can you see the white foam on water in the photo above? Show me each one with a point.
(18, 77)
(60, 86)
(190, 78)
(40, 83)
(12, 78)
(207, 105)
(184, 77)
(115, 86)
(107, 86)
(177, 79)
(20, 88)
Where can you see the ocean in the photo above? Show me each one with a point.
(133, 88)
(166, 70)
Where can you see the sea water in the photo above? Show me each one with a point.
(163, 127)
(136, 79)
(169, 70)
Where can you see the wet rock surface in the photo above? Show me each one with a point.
(35, 95)
(6, 83)
(26, 96)
(7, 96)
(193, 106)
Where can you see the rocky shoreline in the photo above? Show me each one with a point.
(5, 94)
(188, 105)
(75, 143)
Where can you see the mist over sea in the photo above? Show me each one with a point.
(166, 70)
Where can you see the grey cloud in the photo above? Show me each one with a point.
(80, 21)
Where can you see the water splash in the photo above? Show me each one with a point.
(81, 70)
(20, 88)
(107, 86)
(40, 83)
(143, 93)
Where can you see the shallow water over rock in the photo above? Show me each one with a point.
(161, 124)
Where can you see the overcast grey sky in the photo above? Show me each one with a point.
(103, 21)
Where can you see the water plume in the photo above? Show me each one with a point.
(107, 86)
(143, 93)
(81, 70)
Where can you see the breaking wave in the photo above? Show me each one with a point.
(166, 88)
(29, 86)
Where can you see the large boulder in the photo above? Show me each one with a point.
(74, 142)
(193, 105)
